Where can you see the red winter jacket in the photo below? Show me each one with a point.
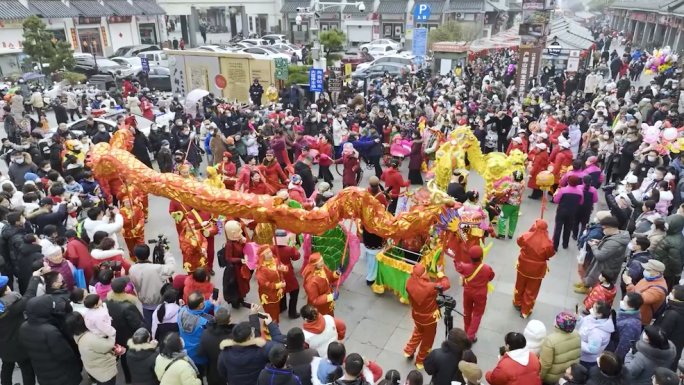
(392, 178)
(517, 367)
(77, 253)
(563, 159)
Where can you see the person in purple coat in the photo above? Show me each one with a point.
(568, 199)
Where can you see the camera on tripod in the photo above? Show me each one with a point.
(449, 304)
(446, 301)
(161, 245)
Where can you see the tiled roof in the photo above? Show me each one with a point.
(12, 9)
(352, 8)
(435, 6)
(331, 8)
(52, 9)
(150, 7)
(124, 8)
(291, 6)
(392, 7)
(646, 5)
(515, 7)
(469, 5)
(91, 8)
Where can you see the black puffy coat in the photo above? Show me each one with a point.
(209, 348)
(126, 318)
(671, 322)
(140, 148)
(300, 360)
(273, 376)
(28, 253)
(11, 348)
(11, 239)
(242, 362)
(597, 377)
(440, 364)
(141, 359)
(52, 357)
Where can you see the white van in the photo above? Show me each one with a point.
(155, 58)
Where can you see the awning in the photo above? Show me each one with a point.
(353, 10)
(124, 8)
(150, 7)
(52, 9)
(89, 8)
(291, 6)
(13, 10)
(435, 6)
(392, 7)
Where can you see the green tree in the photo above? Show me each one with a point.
(41, 46)
(332, 41)
(297, 74)
(453, 31)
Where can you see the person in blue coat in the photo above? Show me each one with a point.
(192, 320)
(627, 322)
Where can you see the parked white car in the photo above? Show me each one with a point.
(401, 58)
(210, 48)
(255, 42)
(155, 58)
(289, 47)
(275, 38)
(381, 50)
(396, 46)
(264, 53)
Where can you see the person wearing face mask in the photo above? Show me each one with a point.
(652, 289)
(668, 250)
(21, 164)
(638, 247)
(608, 253)
(256, 91)
(595, 330)
(651, 351)
(381, 122)
(671, 322)
(102, 135)
(339, 131)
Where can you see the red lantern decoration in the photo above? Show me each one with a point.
(584, 53)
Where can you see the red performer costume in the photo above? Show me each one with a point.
(244, 176)
(539, 163)
(228, 171)
(205, 222)
(476, 276)
(287, 253)
(272, 172)
(536, 248)
(178, 211)
(422, 295)
(317, 281)
(236, 276)
(193, 246)
(133, 225)
(269, 275)
(563, 160)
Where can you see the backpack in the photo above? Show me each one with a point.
(661, 309)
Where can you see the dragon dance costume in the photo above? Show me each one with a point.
(536, 248)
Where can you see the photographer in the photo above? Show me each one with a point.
(148, 278)
(422, 295)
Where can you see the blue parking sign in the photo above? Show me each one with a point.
(316, 80)
(421, 12)
(145, 64)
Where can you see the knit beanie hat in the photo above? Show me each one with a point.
(566, 322)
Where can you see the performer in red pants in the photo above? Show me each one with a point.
(475, 276)
(536, 248)
(422, 295)
(269, 276)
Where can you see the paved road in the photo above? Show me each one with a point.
(378, 326)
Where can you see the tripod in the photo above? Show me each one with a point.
(449, 320)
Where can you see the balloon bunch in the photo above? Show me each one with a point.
(662, 61)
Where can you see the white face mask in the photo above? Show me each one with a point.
(102, 129)
(651, 158)
(592, 312)
(630, 246)
(19, 160)
(618, 137)
(606, 137)
(670, 297)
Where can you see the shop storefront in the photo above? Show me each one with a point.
(89, 33)
(392, 19)
(148, 33)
